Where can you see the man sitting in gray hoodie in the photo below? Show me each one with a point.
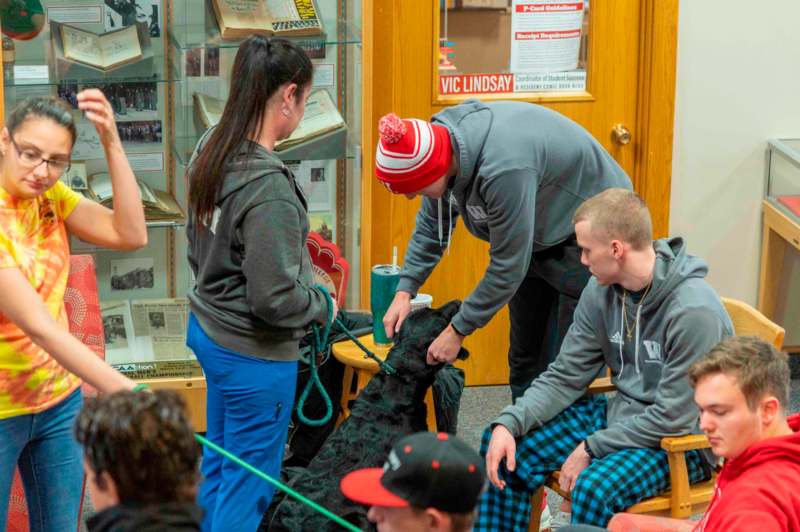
(647, 313)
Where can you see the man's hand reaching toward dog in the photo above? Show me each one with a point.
(446, 347)
(397, 313)
(502, 445)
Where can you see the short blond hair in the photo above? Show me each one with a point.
(618, 213)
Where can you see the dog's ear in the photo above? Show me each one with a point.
(463, 354)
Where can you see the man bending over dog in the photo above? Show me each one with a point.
(647, 313)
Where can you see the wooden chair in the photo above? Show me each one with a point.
(683, 499)
(86, 324)
(748, 321)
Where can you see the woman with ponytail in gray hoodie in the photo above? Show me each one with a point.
(255, 294)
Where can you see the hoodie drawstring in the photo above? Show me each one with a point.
(449, 221)
(621, 337)
(636, 351)
(439, 209)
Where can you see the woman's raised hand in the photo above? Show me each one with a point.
(99, 112)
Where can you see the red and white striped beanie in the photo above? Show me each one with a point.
(411, 153)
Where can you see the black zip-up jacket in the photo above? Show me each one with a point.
(169, 517)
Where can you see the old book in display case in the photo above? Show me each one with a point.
(207, 110)
(239, 18)
(321, 118)
(159, 205)
(103, 51)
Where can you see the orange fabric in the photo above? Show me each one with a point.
(17, 509)
(83, 307)
(33, 238)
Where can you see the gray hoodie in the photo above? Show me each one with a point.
(254, 292)
(523, 171)
(679, 321)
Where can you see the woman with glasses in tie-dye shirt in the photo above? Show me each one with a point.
(41, 363)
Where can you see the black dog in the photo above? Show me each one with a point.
(388, 408)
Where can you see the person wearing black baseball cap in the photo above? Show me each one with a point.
(430, 482)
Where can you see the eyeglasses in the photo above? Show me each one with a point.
(33, 159)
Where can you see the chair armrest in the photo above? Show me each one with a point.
(680, 444)
(601, 385)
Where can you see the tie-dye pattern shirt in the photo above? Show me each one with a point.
(33, 238)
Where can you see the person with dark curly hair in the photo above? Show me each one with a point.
(141, 462)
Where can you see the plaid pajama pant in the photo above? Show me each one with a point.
(609, 485)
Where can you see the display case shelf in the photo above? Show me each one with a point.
(151, 69)
(343, 147)
(160, 224)
(335, 32)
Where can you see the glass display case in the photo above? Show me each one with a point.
(782, 176)
(171, 72)
(780, 237)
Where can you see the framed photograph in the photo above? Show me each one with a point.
(117, 330)
(131, 101)
(194, 62)
(132, 274)
(75, 177)
(211, 62)
(140, 131)
(121, 13)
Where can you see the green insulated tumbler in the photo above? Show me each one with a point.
(383, 281)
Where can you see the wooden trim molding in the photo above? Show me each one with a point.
(652, 176)
(367, 135)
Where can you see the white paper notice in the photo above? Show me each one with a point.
(75, 14)
(316, 180)
(323, 75)
(31, 73)
(545, 35)
(146, 162)
(87, 145)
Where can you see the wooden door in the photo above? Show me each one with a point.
(630, 81)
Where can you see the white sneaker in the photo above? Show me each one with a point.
(561, 519)
(546, 521)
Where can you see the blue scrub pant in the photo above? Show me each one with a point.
(249, 404)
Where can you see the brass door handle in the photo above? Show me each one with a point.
(620, 134)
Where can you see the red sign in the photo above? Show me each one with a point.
(549, 8)
(476, 83)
